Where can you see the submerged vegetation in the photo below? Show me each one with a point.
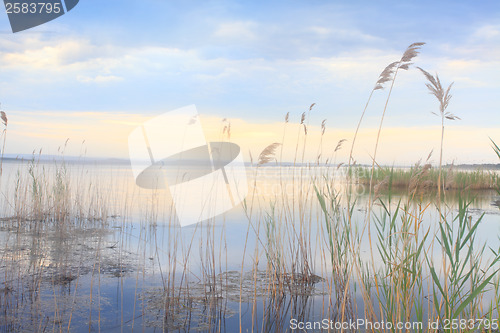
(313, 249)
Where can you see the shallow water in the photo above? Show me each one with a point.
(123, 260)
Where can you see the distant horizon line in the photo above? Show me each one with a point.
(126, 161)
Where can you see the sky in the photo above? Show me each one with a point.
(97, 72)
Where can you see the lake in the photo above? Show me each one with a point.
(83, 248)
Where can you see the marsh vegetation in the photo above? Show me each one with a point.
(84, 249)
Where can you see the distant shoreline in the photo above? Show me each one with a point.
(124, 161)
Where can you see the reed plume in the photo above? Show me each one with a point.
(268, 154)
(443, 96)
(387, 75)
(3, 116)
(287, 116)
(339, 145)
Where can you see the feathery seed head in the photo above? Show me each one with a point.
(267, 155)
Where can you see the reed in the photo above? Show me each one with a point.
(443, 96)
(401, 178)
(305, 248)
(3, 137)
(496, 178)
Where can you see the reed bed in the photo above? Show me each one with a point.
(313, 249)
(453, 179)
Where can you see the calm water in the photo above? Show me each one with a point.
(125, 259)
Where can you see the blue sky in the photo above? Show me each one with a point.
(253, 61)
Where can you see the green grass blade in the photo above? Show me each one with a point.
(473, 295)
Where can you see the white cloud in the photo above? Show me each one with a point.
(236, 31)
(353, 35)
(479, 73)
(55, 54)
(482, 44)
(88, 62)
(486, 32)
(319, 30)
(99, 79)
